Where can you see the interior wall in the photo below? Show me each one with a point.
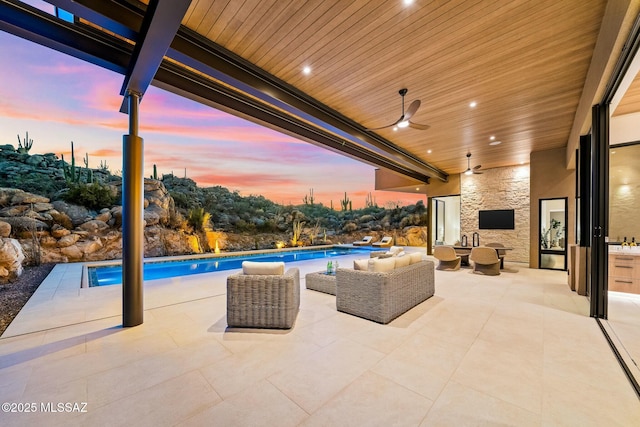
(624, 128)
(550, 179)
(624, 193)
(499, 188)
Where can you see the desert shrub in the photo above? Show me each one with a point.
(243, 226)
(182, 200)
(349, 227)
(33, 183)
(199, 219)
(93, 196)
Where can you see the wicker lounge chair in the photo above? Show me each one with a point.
(447, 257)
(386, 241)
(366, 241)
(264, 300)
(485, 261)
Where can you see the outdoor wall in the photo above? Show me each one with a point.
(550, 179)
(624, 193)
(500, 188)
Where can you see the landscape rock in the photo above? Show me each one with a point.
(14, 210)
(415, 236)
(90, 246)
(6, 194)
(77, 214)
(11, 257)
(53, 257)
(5, 229)
(93, 226)
(73, 253)
(116, 217)
(23, 223)
(22, 197)
(36, 160)
(104, 216)
(44, 217)
(48, 241)
(152, 215)
(68, 240)
(41, 207)
(59, 231)
(61, 219)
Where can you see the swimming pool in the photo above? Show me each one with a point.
(112, 274)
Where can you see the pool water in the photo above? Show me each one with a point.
(112, 275)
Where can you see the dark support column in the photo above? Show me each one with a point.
(599, 210)
(132, 219)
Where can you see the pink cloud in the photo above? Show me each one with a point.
(66, 99)
(106, 152)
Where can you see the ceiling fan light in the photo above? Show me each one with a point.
(403, 124)
(468, 172)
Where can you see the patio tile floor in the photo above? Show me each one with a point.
(517, 349)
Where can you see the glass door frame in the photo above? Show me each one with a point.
(564, 252)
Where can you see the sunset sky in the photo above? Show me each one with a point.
(59, 99)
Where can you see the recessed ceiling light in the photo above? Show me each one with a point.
(495, 143)
(473, 104)
(395, 128)
(613, 152)
(418, 189)
(428, 151)
(491, 138)
(407, 2)
(306, 70)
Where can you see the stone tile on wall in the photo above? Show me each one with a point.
(499, 188)
(624, 194)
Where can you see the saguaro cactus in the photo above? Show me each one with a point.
(26, 146)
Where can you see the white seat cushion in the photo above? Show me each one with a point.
(381, 265)
(395, 250)
(361, 264)
(403, 260)
(255, 267)
(415, 257)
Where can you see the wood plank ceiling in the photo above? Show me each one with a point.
(524, 63)
(630, 103)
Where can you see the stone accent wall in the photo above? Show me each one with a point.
(624, 194)
(500, 188)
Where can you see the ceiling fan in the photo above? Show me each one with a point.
(404, 121)
(470, 171)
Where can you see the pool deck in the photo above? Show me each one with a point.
(64, 299)
(515, 349)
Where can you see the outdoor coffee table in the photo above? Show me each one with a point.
(321, 281)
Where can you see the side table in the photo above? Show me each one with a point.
(321, 281)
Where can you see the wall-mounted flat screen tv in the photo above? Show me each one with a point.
(501, 219)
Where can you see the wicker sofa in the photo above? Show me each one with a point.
(264, 300)
(383, 296)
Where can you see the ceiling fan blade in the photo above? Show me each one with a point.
(477, 172)
(477, 167)
(411, 110)
(418, 126)
(387, 126)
